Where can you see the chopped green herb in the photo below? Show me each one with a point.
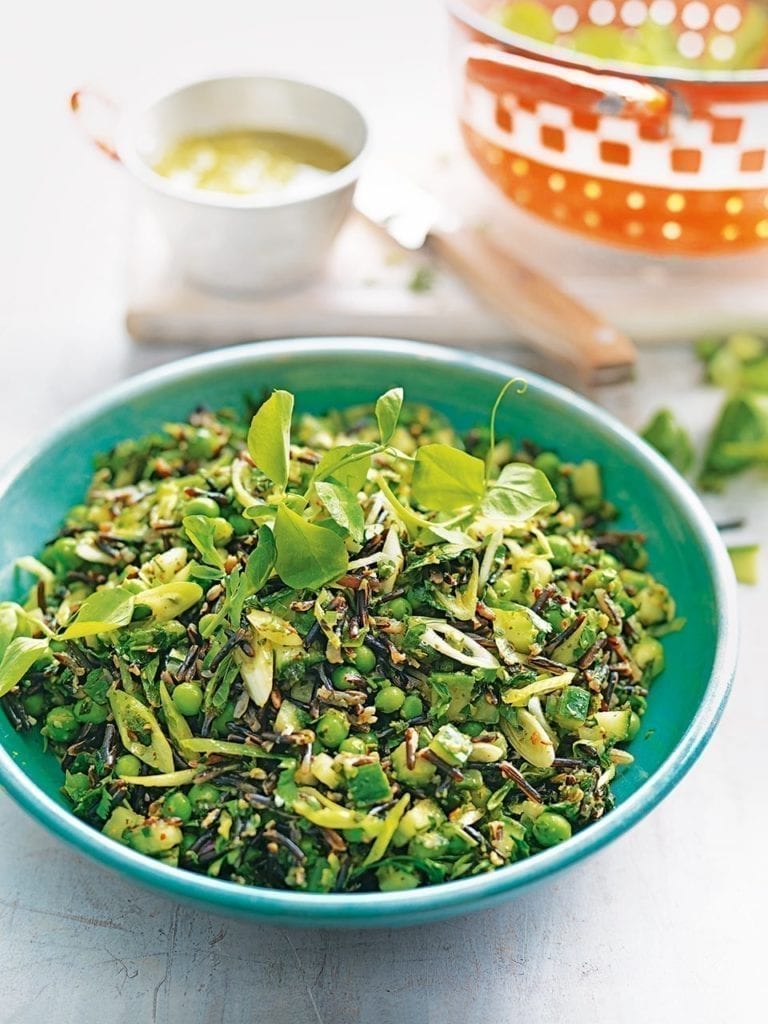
(422, 280)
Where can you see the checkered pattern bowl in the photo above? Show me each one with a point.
(664, 160)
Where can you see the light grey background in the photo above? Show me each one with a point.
(665, 925)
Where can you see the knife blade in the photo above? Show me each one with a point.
(548, 318)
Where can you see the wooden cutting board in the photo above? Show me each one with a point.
(372, 287)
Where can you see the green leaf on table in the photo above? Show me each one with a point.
(202, 532)
(446, 479)
(307, 555)
(670, 439)
(518, 494)
(20, 655)
(343, 507)
(348, 465)
(103, 612)
(388, 408)
(261, 561)
(269, 437)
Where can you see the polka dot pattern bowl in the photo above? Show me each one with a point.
(667, 160)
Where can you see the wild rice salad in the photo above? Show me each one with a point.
(363, 655)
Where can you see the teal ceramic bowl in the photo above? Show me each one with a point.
(686, 553)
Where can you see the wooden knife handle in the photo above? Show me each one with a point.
(548, 317)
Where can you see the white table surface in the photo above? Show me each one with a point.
(665, 925)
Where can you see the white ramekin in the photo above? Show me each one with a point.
(234, 243)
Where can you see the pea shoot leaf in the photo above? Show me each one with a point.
(19, 657)
(446, 479)
(203, 573)
(202, 532)
(307, 555)
(103, 612)
(519, 493)
(343, 507)
(261, 561)
(348, 465)
(388, 408)
(269, 437)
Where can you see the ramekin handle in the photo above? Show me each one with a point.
(104, 108)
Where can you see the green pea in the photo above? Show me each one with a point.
(394, 879)
(61, 725)
(364, 659)
(332, 728)
(63, 554)
(203, 444)
(472, 728)
(203, 795)
(154, 837)
(34, 704)
(177, 805)
(634, 725)
(128, 765)
(353, 745)
(551, 828)
(77, 514)
(188, 698)
(346, 678)
(548, 463)
(389, 700)
(561, 549)
(87, 710)
(202, 506)
(413, 707)
(240, 525)
(397, 608)
(141, 612)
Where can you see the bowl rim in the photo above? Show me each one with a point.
(449, 898)
(336, 181)
(558, 55)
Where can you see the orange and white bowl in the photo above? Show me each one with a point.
(663, 160)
